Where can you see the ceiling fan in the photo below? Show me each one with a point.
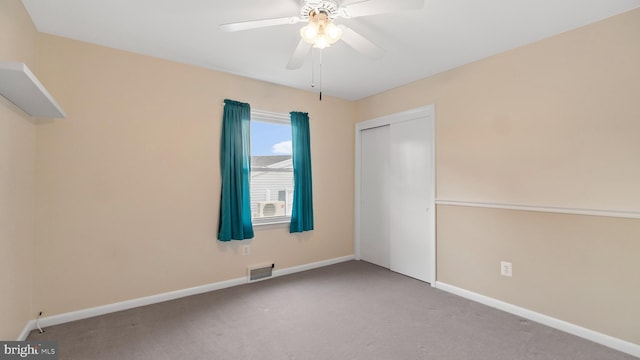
(321, 32)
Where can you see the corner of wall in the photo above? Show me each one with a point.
(17, 180)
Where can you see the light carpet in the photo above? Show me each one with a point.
(352, 310)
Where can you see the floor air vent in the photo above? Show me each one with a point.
(261, 272)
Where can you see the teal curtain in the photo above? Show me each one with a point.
(235, 165)
(302, 211)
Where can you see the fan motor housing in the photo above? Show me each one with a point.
(328, 7)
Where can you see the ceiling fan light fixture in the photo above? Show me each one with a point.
(321, 32)
(321, 42)
(333, 32)
(310, 32)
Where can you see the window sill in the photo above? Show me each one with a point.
(275, 223)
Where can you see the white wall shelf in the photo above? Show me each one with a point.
(22, 88)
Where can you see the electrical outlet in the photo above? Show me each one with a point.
(246, 250)
(506, 268)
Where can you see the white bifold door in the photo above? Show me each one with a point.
(395, 214)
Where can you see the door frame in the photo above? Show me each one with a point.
(427, 111)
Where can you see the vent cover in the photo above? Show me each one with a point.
(261, 272)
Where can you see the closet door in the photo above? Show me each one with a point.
(411, 199)
(374, 214)
(395, 193)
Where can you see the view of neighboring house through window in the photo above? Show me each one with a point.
(271, 180)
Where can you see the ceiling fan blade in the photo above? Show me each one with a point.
(254, 24)
(360, 43)
(298, 55)
(375, 7)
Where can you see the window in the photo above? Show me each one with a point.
(271, 181)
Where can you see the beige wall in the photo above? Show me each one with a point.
(554, 123)
(17, 180)
(129, 183)
(581, 269)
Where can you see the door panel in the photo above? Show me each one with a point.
(410, 187)
(374, 215)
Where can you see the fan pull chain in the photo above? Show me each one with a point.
(313, 70)
(320, 75)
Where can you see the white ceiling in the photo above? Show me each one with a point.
(418, 43)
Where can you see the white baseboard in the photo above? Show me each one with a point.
(600, 338)
(134, 303)
(154, 299)
(310, 266)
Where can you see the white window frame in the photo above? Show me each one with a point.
(274, 118)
